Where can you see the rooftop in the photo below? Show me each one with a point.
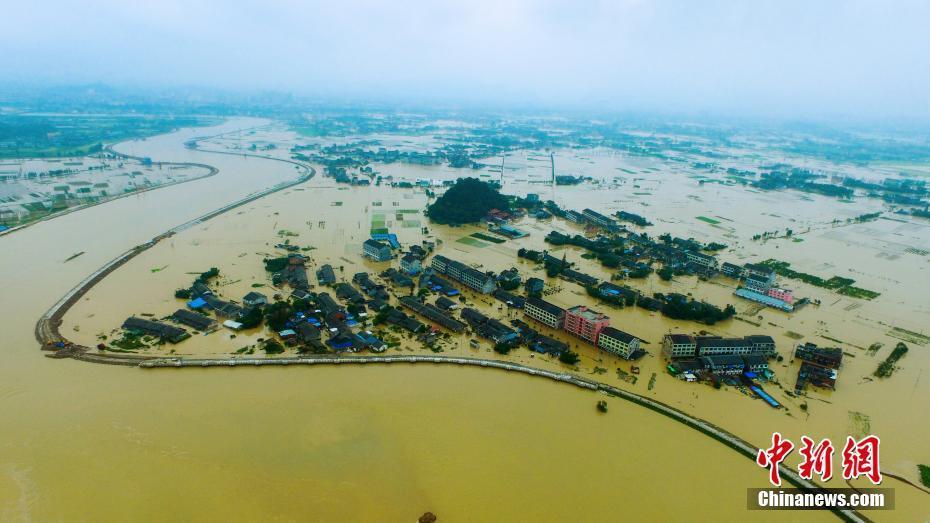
(618, 334)
(545, 305)
(678, 339)
(586, 313)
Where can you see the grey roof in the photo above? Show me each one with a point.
(307, 332)
(444, 302)
(729, 360)
(193, 319)
(162, 330)
(545, 305)
(375, 243)
(680, 338)
(255, 296)
(618, 334)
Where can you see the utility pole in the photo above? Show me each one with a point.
(503, 157)
(552, 161)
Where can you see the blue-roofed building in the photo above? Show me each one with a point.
(510, 232)
(197, 303)
(387, 237)
(764, 299)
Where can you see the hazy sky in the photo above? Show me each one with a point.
(784, 57)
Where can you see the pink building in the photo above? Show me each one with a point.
(585, 323)
(781, 294)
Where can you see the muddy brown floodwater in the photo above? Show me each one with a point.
(387, 443)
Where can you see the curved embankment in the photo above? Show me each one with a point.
(211, 170)
(47, 328)
(706, 427)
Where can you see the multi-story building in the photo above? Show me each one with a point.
(477, 280)
(439, 263)
(376, 250)
(617, 342)
(757, 284)
(731, 270)
(831, 357)
(759, 271)
(599, 219)
(704, 260)
(762, 345)
(784, 295)
(756, 363)
(679, 346)
(544, 312)
(585, 323)
(715, 346)
(685, 346)
(574, 216)
(410, 264)
(471, 277)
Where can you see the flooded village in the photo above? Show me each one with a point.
(655, 283)
(654, 293)
(444, 262)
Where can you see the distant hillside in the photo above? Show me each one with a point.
(468, 201)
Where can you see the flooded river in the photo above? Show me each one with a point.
(101, 443)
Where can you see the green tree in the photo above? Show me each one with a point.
(468, 201)
(277, 314)
(665, 273)
(252, 318)
(272, 347)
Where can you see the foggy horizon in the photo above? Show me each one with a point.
(770, 59)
